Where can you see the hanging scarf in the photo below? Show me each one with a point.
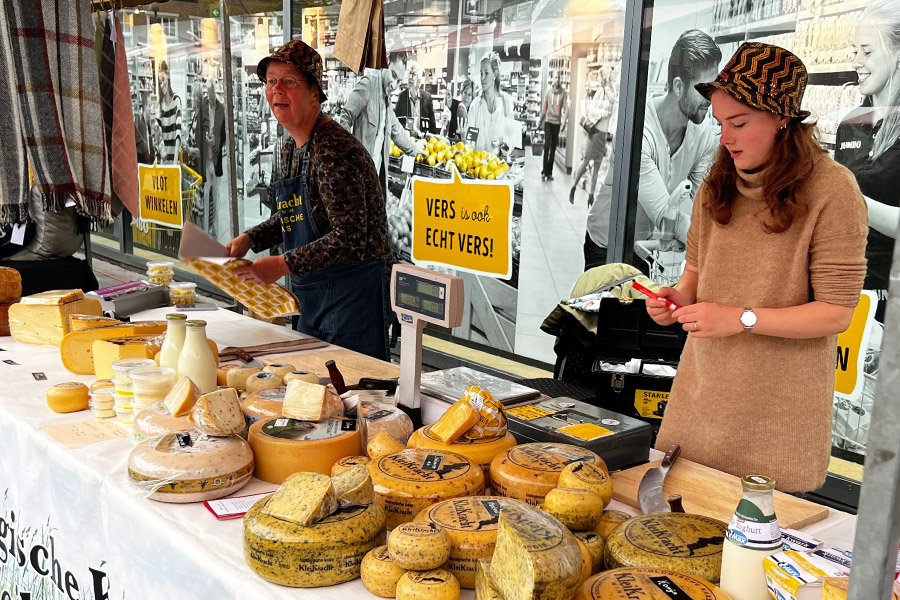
(52, 57)
(13, 162)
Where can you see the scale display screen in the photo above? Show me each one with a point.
(421, 296)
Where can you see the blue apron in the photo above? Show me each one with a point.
(343, 304)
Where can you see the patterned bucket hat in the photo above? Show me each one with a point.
(765, 77)
(300, 55)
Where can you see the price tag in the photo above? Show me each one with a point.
(529, 413)
(585, 431)
(18, 235)
(407, 163)
(472, 134)
(232, 508)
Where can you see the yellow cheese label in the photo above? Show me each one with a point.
(424, 465)
(585, 431)
(650, 404)
(529, 413)
(548, 457)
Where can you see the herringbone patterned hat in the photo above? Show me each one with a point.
(765, 77)
(302, 56)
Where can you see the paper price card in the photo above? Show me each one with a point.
(529, 413)
(585, 431)
(160, 195)
(463, 225)
(851, 349)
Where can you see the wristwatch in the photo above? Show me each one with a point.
(748, 320)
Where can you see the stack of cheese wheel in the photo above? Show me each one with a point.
(649, 584)
(284, 446)
(410, 480)
(480, 451)
(529, 471)
(265, 404)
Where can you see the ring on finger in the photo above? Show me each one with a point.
(695, 325)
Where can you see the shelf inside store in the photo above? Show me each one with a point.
(834, 68)
(838, 8)
(778, 24)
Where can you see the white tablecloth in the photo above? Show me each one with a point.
(79, 525)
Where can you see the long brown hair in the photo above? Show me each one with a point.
(793, 157)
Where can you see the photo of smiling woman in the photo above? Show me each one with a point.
(775, 265)
(868, 138)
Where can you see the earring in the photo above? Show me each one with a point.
(783, 126)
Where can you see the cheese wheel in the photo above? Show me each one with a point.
(648, 584)
(528, 471)
(471, 523)
(284, 446)
(436, 584)
(683, 542)
(68, 397)
(157, 420)
(382, 444)
(481, 451)
(10, 285)
(301, 376)
(222, 374)
(419, 545)
(379, 573)
(609, 521)
(484, 585)
(262, 381)
(237, 377)
(168, 468)
(381, 416)
(348, 462)
(264, 404)
(410, 480)
(586, 476)
(326, 553)
(279, 370)
(592, 544)
(579, 510)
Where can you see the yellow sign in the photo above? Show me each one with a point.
(851, 349)
(650, 404)
(161, 195)
(529, 413)
(585, 431)
(466, 226)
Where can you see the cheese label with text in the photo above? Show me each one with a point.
(424, 465)
(548, 457)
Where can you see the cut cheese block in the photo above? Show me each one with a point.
(237, 377)
(383, 444)
(353, 486)
(592, 544)
(280, 369)
(77, 322)
(579, 510)
(4, 317)
(76, 349)
(306, 401)
(68, 397)
(682, 542)
(436, 584)
(105, 352)
(410, 480)
(535, 557)
(42, 319)
(648, 584)
(265, 404)
(471, 523)
(528, 471)
(190, 467)
(609, 521)
(484, 585)
(182, 397)
(379, 574)
(262, 381)
(10, 285)
(381, 416)
(304, 499)
(481, 451)
(583, 475)
(326, 553)
(300, 376)
(218, 413)
(157, 420)
(284, 446)
(348, 462)
(458, 419)
(419, 545)
(835, 588)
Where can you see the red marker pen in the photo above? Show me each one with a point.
(654, 295)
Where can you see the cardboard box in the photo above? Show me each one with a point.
(796, 575)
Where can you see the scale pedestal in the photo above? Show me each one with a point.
(411, 370)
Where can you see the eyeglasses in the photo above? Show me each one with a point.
(287, 83)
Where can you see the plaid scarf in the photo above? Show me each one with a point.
(52, 62)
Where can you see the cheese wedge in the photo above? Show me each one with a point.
(78, 322)
(105, 352)
(182, 397)
(382, 445)
(76, 349)
(44, 318)
(353, 487)
(306, 401)
(218, 413)
(304, 499)
(458, 419)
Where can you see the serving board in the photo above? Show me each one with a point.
(709, 492)
(352, 365)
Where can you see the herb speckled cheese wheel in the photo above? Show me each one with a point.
(285, 446)
(593, 544)
(579, 510)
(586, 476)
(528, 471)
(410, 480)
(208, 468)
(326, 553)
(682, 542)
(609, 521)
(419, 545)
(481, 451)
(484, 586)
(471, 522)
(436, 584)
(347, 463)
(379, 573)
(648, 584)
(157, 420)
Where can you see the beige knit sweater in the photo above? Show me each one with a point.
(750, 403)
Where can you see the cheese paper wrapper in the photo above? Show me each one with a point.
(268, 301)
(491, 421)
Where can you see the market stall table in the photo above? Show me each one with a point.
(79, 525)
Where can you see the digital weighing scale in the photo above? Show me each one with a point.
(421, 296)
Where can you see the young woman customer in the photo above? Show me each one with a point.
(775, 265)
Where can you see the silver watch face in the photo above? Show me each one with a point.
(748, 318)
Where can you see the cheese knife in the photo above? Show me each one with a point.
(650, 492)
(248, 358)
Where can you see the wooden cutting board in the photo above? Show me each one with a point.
(352, 365)
(706, 491)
